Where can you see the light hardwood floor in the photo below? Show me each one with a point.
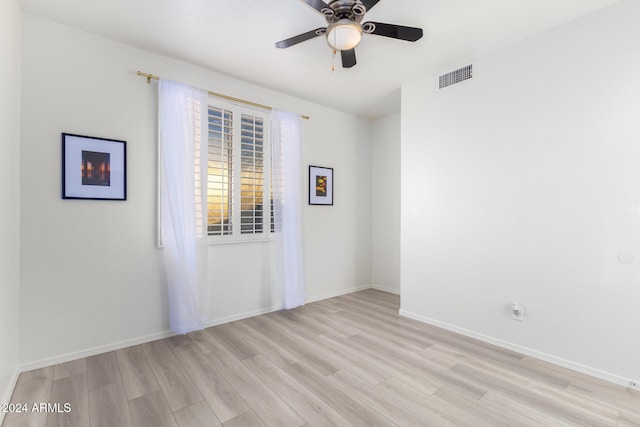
(345, 361)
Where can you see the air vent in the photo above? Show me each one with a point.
(457, 76)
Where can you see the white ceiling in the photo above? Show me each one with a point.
(236, 37)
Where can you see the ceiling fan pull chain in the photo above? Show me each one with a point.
(333, 61)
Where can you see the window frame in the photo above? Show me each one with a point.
(238, 110)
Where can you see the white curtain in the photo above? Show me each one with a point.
(286, 165)
(183, 180)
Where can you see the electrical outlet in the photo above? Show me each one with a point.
(517, 311)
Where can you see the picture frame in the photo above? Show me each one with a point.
(320, 185)
(93, 168)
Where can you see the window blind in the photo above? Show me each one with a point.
(252, 175)
(220, 171)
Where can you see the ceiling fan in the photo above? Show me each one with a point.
(344, 28)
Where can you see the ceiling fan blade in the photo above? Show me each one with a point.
(301, 38)
(317, 5)
(348, 58)
(369, 3)
(410, 34)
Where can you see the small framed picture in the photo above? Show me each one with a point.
(320, 185)
(93, 168)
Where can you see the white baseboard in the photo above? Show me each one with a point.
(262, 311)
(587, 370)
(43, 363)
(127, 343)
(236, 317)
(6, 398)
(385, 289)
(29, 366)
(336, 294)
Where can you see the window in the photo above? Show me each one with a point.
(238, 193)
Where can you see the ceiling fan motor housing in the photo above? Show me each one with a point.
(352, 10)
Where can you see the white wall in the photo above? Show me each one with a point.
(337, 239)
(92, 277)
(523, 184)
(9, 193)
(385, 180)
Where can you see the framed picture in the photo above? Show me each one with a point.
(93, 168)
(320, 185)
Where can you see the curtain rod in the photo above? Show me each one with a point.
(230, 98)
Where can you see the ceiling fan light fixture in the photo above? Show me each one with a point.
(344, 34)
